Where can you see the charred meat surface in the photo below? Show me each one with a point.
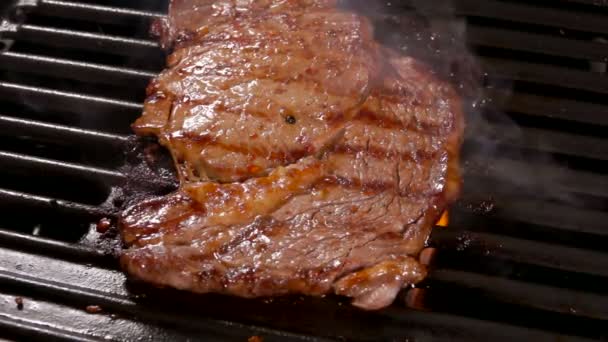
(311, 159)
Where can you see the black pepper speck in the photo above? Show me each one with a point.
(290, 120)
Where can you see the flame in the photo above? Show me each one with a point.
(444, 220)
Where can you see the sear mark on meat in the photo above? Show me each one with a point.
(311, 159)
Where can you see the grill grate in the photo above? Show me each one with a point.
(534, 267)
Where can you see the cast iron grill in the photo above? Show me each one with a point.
(524, 256)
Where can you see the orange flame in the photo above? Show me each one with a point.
(444, 220)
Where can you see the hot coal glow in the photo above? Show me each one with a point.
(444, 220)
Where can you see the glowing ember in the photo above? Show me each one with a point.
(444, 220)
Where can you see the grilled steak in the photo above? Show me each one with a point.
(311, 159)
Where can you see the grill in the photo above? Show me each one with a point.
(524, 256)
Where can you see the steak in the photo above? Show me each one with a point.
(311, 159)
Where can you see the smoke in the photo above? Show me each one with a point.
(498, 150)
(431, 34)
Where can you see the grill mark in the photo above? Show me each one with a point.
(372, 118)
(381, 153)
(291, 155)
(369, 187)
(183, 62)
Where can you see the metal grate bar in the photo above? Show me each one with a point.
(82, 40)
(37, 165)
(532, 14)
(27, 329)
(525, 293)
(64, 68)
(594, 3)
(522, 251)
(565, 217)
(546, 74)
(551, 179)
(458, 328)
(41, 202)
(14, 126)
(67, 101)
(54, 248)
(552, 107)
(546, 141)
(537, 43)
(90, 12)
